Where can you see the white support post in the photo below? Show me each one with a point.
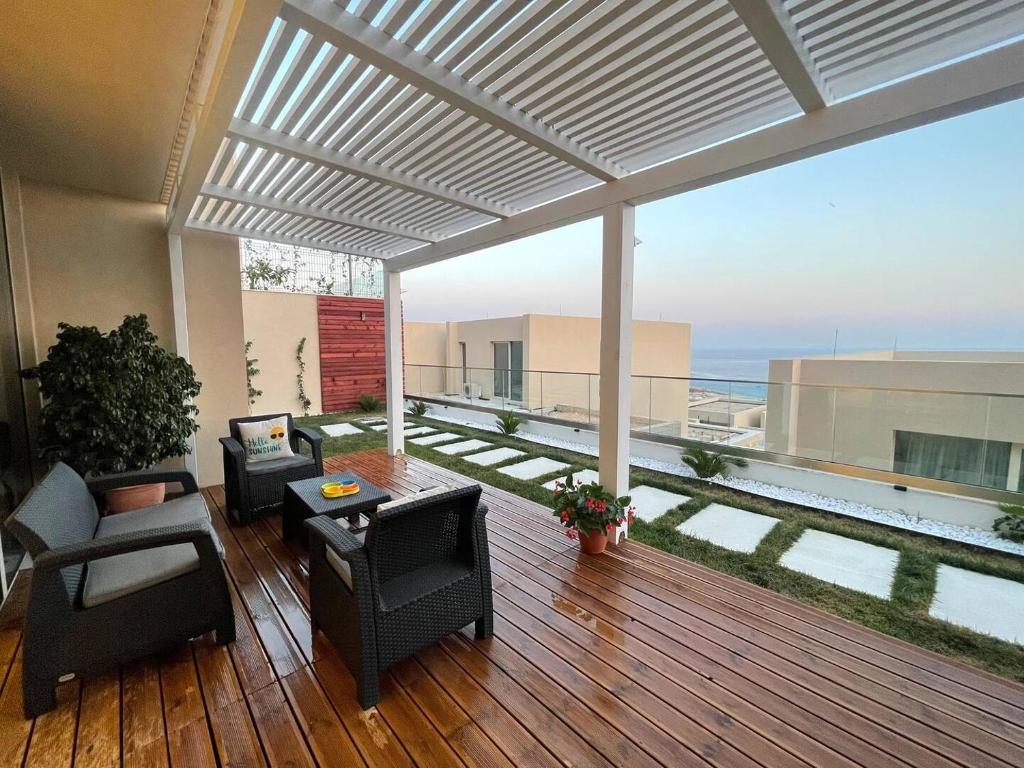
(181, 327)
(393, 361)
(616, 350)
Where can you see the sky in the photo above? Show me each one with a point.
(915, 239)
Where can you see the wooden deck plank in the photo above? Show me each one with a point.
(929, 728)
(634, 658)
(53, 737)
(331, 744)
(969, 724)
(815, 737)
(99, 725)
(143, 735)
(895, 658)
(912, 659)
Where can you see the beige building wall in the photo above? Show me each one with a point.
(425, 344)
(857, 426)
(567, 351)
(275, 322)
(93, 259)
(214, 309)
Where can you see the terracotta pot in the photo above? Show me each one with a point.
(594, 542)
(135, 497)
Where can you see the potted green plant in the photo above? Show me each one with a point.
(115, 402)
(589, 513)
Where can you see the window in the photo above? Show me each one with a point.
(508, 370)
(465, 366)
(958, 459)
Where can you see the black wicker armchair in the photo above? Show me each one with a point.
(112, 589)
(419, 571)
(255, 490)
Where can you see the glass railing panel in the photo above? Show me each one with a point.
(640, 404)
(967, 438)
(937, 435)
(669, 401)
(566, 396)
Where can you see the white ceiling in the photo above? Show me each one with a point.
(91, 92)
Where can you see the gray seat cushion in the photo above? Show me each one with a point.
(341, 566)
(112, 577)
(258, 468)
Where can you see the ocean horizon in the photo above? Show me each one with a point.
(747, 368)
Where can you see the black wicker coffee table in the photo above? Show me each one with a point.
(302, 500)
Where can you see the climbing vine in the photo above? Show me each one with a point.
(304, 401)
(251, 372)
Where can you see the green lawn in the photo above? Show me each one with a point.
(904, 616)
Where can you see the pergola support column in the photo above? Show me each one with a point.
(393, 361)
(616, 350)
(177, 260)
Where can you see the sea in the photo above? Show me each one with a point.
(748, 368)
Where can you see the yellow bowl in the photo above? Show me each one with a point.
(335, 490)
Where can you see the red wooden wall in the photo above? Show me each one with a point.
(351, 350)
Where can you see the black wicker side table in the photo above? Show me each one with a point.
(302, 500)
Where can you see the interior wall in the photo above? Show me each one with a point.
(274, 323)
(213, 301)
(93, 259)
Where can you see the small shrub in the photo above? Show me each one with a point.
(419, 408)
(300, 379)
(251, 372)
(1011, 524)
(368, 403)
(707, 464)
(508, 423)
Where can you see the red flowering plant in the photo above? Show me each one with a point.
(587, 507)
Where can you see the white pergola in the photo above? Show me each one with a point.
(419, 130)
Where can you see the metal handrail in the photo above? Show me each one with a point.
(851, 387)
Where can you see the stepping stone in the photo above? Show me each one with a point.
(487, 458)
(586, 475)
(372, 420)
(418, 430)
(728, 527)
(846, 562)
(412, 429)
(654, 502)
(527, 470)
(464, 447)
(440, 437)
(986, 604)
(340, 430)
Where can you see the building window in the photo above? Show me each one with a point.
(965, 460)
(465, 366)
(508, 370)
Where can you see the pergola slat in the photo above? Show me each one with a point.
(308, 211)
(314, 153)
(261, 234)
(985, 80)
(414, 121)
(329, 22)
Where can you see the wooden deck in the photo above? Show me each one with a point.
(635, 658)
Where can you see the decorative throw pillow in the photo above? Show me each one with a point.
(263, 440)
